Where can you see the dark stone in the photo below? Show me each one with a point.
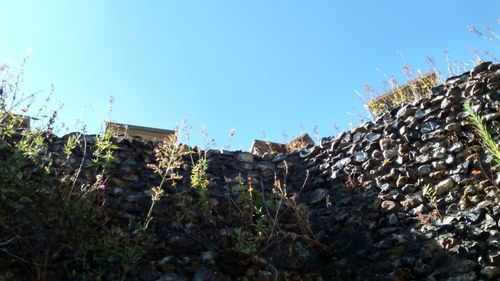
(341, 163)
(405, 112)
(483, 66)
(315, 196)
(476, 216)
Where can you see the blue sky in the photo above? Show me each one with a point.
(270, 68)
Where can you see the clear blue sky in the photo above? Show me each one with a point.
(255, 66)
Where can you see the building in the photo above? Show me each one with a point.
(119, 130)
(260, 147)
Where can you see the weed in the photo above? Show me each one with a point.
(32, 145)
(429, 192)
(486, 139)
(119, 247)
(71, 144)
(43, 220)
(156, 196)
(9, 122)
(206, 139)
(168, 158)
(244, 242)
(103, 153)
(419, 85)
(199, 181)
(232, 133)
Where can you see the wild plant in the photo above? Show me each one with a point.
(262, 217)
(103, 152)
(71, 144)
(157, 194)
(183, 129)
(118, 246)
(337, 129)
(44, 219)
(489, 35)
(11, 79)
(8, 124)
(206, 138)
(199, 181)
(286, 200)
(419, 86)
(257, 223)
(246, 200)
(232, 133)
(431, 62)
(168, 158)
(361, 118)
(481, 130)
(429, 192)
(245, 241)
(32, 144)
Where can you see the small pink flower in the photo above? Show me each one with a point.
(102, 184)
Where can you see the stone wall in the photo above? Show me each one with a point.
(362, 193)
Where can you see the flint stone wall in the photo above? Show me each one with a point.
(362, 191)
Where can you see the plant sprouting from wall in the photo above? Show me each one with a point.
(168, 158)
(157, 194)
(199, 181)
(479, 125)
(71, 144)
(103, 153)
(429, 192)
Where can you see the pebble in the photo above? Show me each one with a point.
(424, 170)
(388, 206)
(444, 186)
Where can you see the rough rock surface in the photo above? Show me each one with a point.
(362, 192)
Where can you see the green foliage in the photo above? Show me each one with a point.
(487, 140)
(103, 153)
(254, 199)
(245, 241)
(8, 123)
(429, 192)
(121, 247)
(43, 217)
(71, 144)
(263, 222)
(198, 180)
(118, 247)
(33, 146)
(260, 217)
